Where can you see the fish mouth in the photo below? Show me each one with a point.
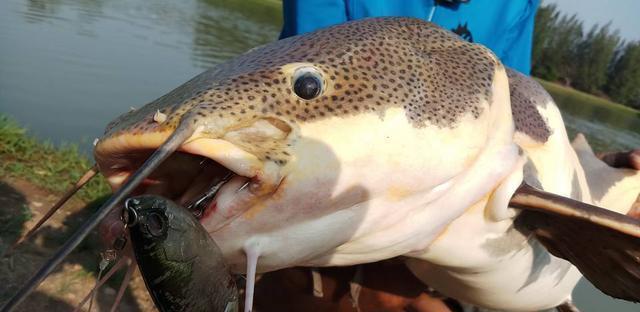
(213, 178)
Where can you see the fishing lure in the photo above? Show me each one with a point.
(182, 266)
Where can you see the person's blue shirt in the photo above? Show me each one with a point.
(504, 26)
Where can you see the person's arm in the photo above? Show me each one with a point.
(628, 159)
(519, 41)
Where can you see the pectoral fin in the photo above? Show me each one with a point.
(603, 245)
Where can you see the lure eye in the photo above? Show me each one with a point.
(155, 224)
(307, 83)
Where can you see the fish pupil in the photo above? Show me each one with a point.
(307, 86)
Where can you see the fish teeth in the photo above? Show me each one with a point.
(244, 186)
(199, 204)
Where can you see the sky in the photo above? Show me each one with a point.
(623, 14)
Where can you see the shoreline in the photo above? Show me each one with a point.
(52, 168)
(560, 92)
(33, 175)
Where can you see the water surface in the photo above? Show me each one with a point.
(67, 67)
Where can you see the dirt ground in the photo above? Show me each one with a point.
(21, 206)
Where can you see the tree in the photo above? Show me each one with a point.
(597, 62)
(595, 53)
(564, 48)
(544, 26)
(624, 79)
(554, 47)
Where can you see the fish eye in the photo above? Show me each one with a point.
(307, 83)
(155, 224)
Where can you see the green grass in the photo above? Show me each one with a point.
(566, 97)
(43, 164)
(11, 223)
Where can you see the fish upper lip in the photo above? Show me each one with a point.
(108, 152)
(227, 154)
(118, 158)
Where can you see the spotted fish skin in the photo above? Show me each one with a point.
(367, 66)
(500, 266)
(495, 265)
(526, 96)
(413, 131)
(401, 140)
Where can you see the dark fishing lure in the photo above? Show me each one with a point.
(182, 266)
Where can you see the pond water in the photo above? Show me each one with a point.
(69, 66)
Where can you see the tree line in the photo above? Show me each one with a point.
(597, 61)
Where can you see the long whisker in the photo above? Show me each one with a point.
(252, 253)
(181, 134)
(67, 195)
(125, 283)
(121, 262)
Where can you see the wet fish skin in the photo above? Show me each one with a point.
(180, 263)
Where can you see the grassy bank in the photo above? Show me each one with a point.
(50, 167)
(43, 171)
(567, 98)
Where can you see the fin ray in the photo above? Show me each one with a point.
(603, 245)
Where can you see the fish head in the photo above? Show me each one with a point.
(320, 147)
